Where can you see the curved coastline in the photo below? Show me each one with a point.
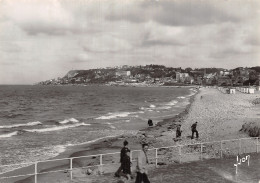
(105, 145)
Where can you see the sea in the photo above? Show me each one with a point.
(39, 122)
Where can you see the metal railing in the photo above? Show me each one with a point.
(197, 151)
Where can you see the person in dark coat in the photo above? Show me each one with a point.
(194, 130)
(122, 155)
(178, 131)
(126, 165)
(150, 122)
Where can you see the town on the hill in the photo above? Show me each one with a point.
(160, 75)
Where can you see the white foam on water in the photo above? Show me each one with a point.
(20, 125)
(181, 97)
(73, 120)
(111, 126)
(35, 155)
(95, 140)
(55, 128)
(115, 115)
(9, 134)
(172, 103)
(152, 106)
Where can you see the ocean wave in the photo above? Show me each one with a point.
(181, 97)
(152, 106)
(95, 140)
(73, 120)
(56, 128)
(20, 125)
(115, 115)
(9, 134)
(164, 107)
(111, 126)
(12, 115)
(173, 102)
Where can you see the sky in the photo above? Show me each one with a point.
(44, 39)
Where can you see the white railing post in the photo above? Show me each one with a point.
(221, 149)
(201, 151)
(131, 157)
(156, 156)
(35, 172)
(240, 150)
(222, 142)
(71, 168)
(101, 164)
(180, 154)
(257, 144)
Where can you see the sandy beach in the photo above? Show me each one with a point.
(220, 116)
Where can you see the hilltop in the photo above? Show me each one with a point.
(160, 75)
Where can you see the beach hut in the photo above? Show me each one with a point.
(246, 90)
(232, 91)
(251, 90)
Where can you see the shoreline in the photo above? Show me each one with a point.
(220, 117)
(106, 144)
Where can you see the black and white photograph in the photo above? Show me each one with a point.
(129, 91)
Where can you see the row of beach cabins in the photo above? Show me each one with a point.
(248, 90)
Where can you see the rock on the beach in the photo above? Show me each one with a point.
(150, 136)
(252, 129)
(89, 171)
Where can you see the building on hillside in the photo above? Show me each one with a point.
(224, 81)
(72, 74)
(123, 73)
(210, 79)
(181, 77)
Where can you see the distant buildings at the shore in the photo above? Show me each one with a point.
(160, 75)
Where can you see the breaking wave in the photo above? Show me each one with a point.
(9, 134)
(55, 128)
(20, 125)
(115, 115)
(73, 120)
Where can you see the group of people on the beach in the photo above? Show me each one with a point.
(193, 130)
(141, 168)
(142, 161)
(179, 131)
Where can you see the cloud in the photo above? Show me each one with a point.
(174, 13)
(46, 39)
(36, 17)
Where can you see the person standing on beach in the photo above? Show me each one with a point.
(178, 131)
(126, 165)
(142, 162)
(194, 130)
(150, 122)
(122, 155)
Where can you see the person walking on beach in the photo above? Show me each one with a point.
(122, 155)
(142, 162)
(178, 131)
(194, 130)
(126, 165)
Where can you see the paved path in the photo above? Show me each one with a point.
(207, 171)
